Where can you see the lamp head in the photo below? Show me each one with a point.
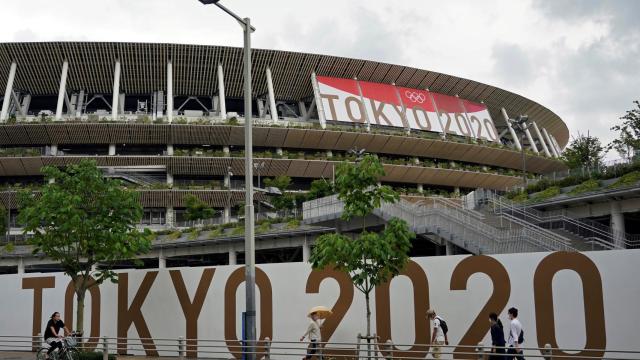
(208, 2)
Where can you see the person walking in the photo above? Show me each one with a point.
(313, 332)
(497, 338)
(438, 335)
(52, 333)
(516, 336)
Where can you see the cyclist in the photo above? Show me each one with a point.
(52, 333)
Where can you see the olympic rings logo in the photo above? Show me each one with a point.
(415, 96)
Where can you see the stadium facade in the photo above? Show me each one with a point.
(167, 119)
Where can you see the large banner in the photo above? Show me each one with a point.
(569, 300)
(367, 103)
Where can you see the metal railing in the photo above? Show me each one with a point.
(465, 228)
(591, 231)
(183, 348)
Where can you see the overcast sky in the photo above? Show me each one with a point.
(579, 58)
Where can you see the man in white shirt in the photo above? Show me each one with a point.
(438, 336)
(515, 335)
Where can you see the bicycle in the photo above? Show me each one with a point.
(67, 352)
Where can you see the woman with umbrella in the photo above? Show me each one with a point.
(313, 330)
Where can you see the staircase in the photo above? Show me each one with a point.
(584, 234)
(465, 228)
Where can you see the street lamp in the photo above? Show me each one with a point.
(522, 124)
(249, 235)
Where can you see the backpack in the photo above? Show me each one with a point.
(443, 325)
(521, 337)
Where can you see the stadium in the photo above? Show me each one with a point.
(167, 120)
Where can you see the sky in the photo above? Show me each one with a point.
(579, 58)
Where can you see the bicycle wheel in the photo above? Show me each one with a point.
(41, 354)
(72, 354)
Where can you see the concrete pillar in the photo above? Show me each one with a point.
(116, 91)
(62, 90)
(321, 117)
(170, 179)
(541, 139)
(20, 266)
(303, 109)
(169, 92)
(112, 149)
(226, 215)
(534, 148)
(306, 251)
(450, 248)
(54, 149)
(170, 217)
(272, 96)
(548, 140)
(225, 150)
(617, 224)
(516, 141)
(227, 180)
(26, 103)
(221, 96)
(79, 104)
(162, 261)
(170, 149)
(555, 143)
(261, 111)
(420, 188)
(7, 92)
(233, 258)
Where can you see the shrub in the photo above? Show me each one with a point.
(238, 230)
(263, 228)
(176, 234)
(215, 232)
(293, 224)
(586, 186)
(193, 234)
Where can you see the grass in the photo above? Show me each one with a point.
(586, 186)
(547, 193)
(626, 180)
(174, 235)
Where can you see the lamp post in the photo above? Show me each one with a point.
(249, 235)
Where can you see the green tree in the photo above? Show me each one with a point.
(319, 188)
(286, 201)
(628, 142)
(584, 151)
(82, 220)
(197, 209)
(370, 258)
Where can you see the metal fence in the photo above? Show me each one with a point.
(265, 349)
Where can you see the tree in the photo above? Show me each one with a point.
(286, 201)
(370, 258)
(197, 209)
(319, 188)
(628, 142)
(584, 151)
(82, 220)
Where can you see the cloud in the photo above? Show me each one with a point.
(512, 64)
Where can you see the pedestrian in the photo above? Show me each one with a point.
(438, 335)
(516, 336)
(313, 332)
(497, 338)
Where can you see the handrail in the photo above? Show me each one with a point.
(182, 347)
(591, 228)
(466, 227)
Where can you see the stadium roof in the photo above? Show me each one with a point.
(144, 70)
